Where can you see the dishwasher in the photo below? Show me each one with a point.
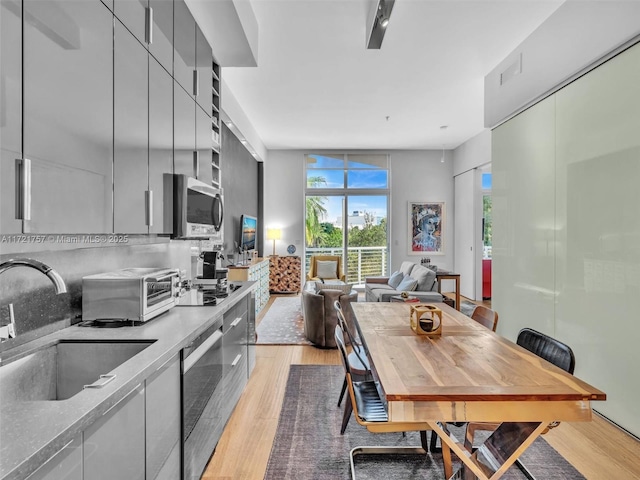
(202, 394)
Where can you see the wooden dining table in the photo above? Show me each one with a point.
(468, 373)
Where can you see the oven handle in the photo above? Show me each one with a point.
(169, 274)
(201, 350)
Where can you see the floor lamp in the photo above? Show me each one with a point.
(274, 234)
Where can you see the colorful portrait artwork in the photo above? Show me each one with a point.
(426, 223)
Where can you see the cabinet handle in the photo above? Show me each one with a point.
(196, 164)
(201, 350)
(148, 27)
(235, 323)
(236, 360)
(104, 379)
(23, 189)
(196, 83)
(148, 199)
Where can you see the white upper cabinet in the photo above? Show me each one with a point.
(68, 115)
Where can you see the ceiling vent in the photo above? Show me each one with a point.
(378, 22)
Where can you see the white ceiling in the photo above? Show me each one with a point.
(317, 86)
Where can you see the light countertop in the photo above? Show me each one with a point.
(32, 432)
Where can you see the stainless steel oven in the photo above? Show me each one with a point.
(135, 294)
(202, 396)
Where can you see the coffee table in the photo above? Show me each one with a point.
(409, 299)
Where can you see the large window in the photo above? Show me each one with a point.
(347, 211)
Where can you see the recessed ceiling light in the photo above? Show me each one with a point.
(229, 124)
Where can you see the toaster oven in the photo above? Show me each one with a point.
(134, 294)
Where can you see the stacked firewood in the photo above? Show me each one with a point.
(284, 274)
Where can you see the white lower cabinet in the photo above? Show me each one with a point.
(138, 438)
(64, 465)
(163, 419)
(114, 446)
(257, 271)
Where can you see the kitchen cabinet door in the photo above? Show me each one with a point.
(203, 144)
(114, 445)
(184, 43)
(132, 14)
(161, 46)
(64, 465)
(68, 115)
(160, 142)
(184, 124)
(163, 418)
(10, 110)
(131, 154)
(204, 67)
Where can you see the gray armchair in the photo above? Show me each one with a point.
(320, 317)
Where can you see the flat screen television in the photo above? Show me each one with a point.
(248, 232)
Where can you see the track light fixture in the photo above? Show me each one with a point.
(378, 21)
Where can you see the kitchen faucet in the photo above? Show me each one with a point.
(54, 276)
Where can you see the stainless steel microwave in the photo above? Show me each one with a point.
(198, 209)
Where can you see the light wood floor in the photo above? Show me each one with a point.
(597, 449)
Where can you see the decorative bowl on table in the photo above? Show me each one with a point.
(426, 319)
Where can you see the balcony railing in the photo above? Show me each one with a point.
(362, 262)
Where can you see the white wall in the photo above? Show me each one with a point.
(284, 199)
(472, 154)
(416, 175)
(575, 35)
(242, 127)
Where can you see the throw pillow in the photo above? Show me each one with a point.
(407, 284)
(326, 268)
(425, 278)
(345, 289)
(395, 279)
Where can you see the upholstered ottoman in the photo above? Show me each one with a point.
(320, 318)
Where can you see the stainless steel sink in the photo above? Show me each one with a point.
(61, 370)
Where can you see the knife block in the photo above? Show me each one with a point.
(426, 319)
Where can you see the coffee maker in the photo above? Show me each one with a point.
(214, 275)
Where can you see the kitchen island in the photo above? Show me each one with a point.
(37, 433)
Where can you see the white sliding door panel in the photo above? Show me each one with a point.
(467, 231)
(523, 167)
(598, 220)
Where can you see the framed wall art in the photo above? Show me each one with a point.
(426, 225)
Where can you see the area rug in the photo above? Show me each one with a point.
(308, 444)
(467, 307)
(283, 323)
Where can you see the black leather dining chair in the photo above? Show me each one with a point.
(547, 348)
(370, 411)
(357, 359)
(544, 346)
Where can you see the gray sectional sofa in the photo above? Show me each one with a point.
(377, 289)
